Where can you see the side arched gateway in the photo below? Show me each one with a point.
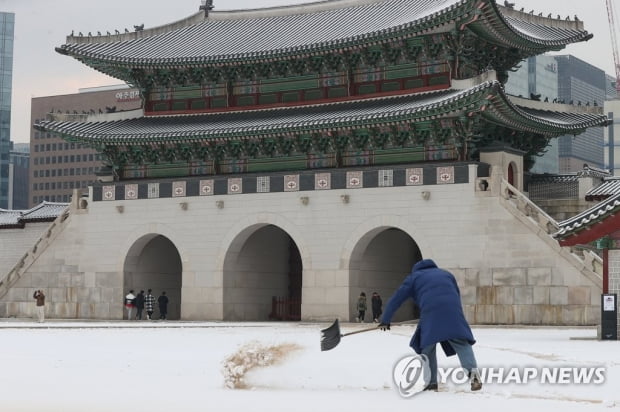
(153, 262)
(380, 261)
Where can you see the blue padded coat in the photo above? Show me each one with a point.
(437, 294)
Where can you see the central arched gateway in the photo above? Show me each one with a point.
(153, 262)
(262, 276)
(379, 263)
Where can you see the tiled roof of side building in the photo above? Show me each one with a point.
(583, 220)
(282, 32)
(43, 212)
(325, 117)
(10, 218)
(610, 187)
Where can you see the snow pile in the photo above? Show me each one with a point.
(250, 356)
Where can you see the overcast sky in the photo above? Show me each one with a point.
(42, 25)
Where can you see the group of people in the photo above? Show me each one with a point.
(376, 304)
(142, 302)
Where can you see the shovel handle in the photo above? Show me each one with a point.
(373, 328)
(360, 331)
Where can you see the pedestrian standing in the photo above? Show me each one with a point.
(377, 305)
(149, 303)
(163, 305)
(139, 305)
(130, 304)
(361, 307)
(441, 319)
(40, 305)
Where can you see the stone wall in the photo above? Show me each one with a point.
(14, 243)
(508, 271)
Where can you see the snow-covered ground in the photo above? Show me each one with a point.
(180, 366)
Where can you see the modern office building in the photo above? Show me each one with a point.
(569, 80)
(7, 28)
(57, 167)
(19, 166)
(611, 141)
(537, 77)
(610, 87)
(585, 84)
(612, 138)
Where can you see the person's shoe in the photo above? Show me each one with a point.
(475, 380)
(432, 387)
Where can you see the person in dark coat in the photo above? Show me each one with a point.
(139, 305)
(441, 318)
(377, 305)
(163, 305)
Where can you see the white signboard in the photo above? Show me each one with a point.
(608, 303)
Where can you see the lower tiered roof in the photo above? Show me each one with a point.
(486, 101)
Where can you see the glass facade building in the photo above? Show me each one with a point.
(7, 29)
(572, 81)
(538, 75)
(612, 137)
(581, 83)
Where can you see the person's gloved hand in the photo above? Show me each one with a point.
(384, 326)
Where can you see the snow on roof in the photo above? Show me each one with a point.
(43, 212)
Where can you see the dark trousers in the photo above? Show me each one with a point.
(163, 311)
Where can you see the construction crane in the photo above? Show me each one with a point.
(614, 41)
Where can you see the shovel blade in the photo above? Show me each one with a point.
(330, 337)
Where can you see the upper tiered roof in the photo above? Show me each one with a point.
(262, 35)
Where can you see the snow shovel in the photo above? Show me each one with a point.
(330, 337)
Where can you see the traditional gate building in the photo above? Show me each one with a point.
(310, 153)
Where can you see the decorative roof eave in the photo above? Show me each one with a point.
(486, 99)
(500, 25)
(591, 224)
(485, 18)
(505, 112)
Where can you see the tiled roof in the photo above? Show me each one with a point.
(609, 187)
(591, 171)
(550, 178)
(46, 211)
(325, 117)
(263, 34)
(9, 218)
(589, 217)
